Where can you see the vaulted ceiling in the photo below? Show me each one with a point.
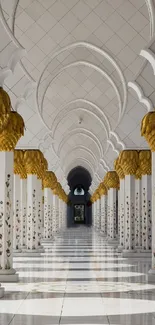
(76, 72)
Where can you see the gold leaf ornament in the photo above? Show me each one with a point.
(19, 167)
(119, 169)
(148, 129)
(102, 189)
(111, 180)
(129, 161)
(49, 180)
(5, 109)
(13, 131)
(33, 162)
(145, 162)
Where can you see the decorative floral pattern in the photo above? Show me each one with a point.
(8, 225)
(138, 216)
(122, 224)
(112, 214)
(98, 214)
(146, 215)
(47, 217)
(129, 224)
(32, 218)
(17, 224)
(104, 214)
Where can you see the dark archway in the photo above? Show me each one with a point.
(79, 177)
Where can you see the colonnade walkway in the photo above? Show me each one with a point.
(79, 279)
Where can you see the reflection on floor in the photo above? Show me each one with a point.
(79, 280)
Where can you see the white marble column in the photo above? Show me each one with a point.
(95, 214)
(104, 215)
(7, 273)
(92, 213)
(122, 214)
(54, 213)
(138, 216)
(39, 212)
(32, 215)
(57, 213)
(151, 275)
(47, 214)
(98, 208)
(60, 213)
(64, 215)
(146, 214)
(112, 195)
(108, 215)
(23, 208)
(129, 215)
(16, 214)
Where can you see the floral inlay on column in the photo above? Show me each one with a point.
(129, 161)
(111, 181)
(146, 170)
(121, 202)
(103, 195)
(11, 130)
(138, 210)
(35, 168)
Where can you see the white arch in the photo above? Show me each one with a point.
(96, 49)
(150, 57)
(96, 107)
(151, 11)
(82, 131)
(81, 159)
(89, 112)
(84, 149)
(85, 63)
(142, 98)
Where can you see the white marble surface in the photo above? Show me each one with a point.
(80, 280)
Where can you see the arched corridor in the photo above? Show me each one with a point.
(77, 162)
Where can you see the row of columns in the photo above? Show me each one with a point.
(25, 220)
(122, 204)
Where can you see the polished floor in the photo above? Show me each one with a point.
(79, 279)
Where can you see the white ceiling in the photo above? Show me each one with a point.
(71, 82)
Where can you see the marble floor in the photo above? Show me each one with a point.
(79, 279)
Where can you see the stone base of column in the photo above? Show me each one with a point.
(120, 249)
(41, 249)
(102, 233)
(113, 241)
(8, 276)
(31, 252)
(140, 254)
(128, 253)
(49, 240)
(147, 253)
(16, 251)
(151, 276)
(1, 292)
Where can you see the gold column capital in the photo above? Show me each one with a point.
(57, 189)
(5, 109)
(12, 132)
(129, 161)
(19, 167)
(119, 169)
(102, 189)
(49, 180)
(33, 161)
(138, 174)
(111, 180)
(145, 162)
(148, 129)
